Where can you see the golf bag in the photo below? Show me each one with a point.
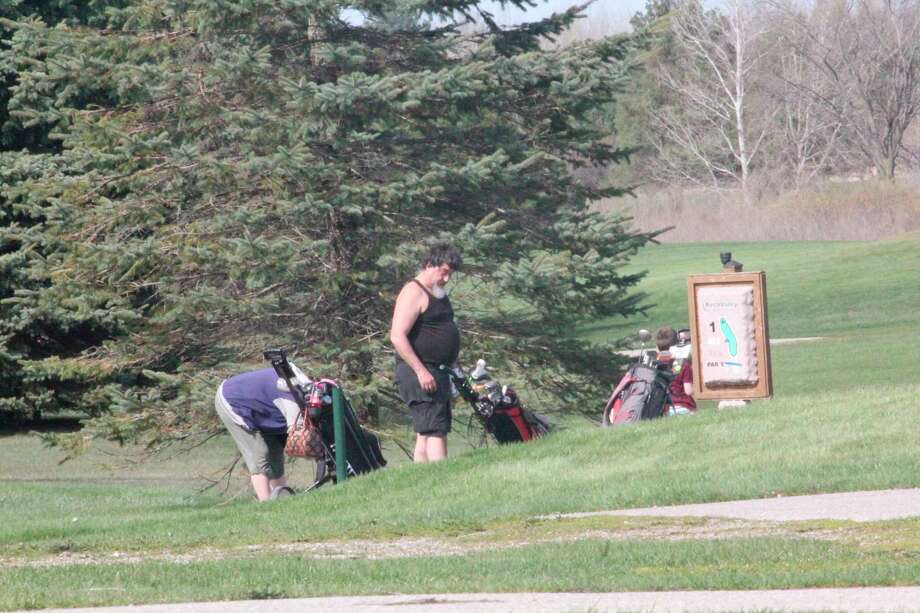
(362, 448)
(498, 407)
(642, 393)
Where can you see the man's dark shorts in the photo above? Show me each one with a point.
(431, 418)
(431, 413)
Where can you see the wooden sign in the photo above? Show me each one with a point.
(730, 343)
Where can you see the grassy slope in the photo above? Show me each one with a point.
(801, 445)
(813, 289)
(841, 420)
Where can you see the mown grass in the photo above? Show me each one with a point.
(587, 565)
(813, 289)
(804, 443)
(842, 419)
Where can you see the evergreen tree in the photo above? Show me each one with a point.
(631, 115)
(29, 335)
(268, 172)
(13, 135)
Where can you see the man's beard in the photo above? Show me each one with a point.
(438, 291)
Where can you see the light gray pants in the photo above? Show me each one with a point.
(262, 452)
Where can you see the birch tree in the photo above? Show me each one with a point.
(714, 130)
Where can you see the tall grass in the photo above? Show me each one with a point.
(861, 210)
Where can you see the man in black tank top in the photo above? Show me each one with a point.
(425, 337)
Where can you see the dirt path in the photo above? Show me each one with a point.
(634, 353)
(789, 341)
(845, 599)
(726, 519)
(876, 505)
(412, 547)
(736, 519)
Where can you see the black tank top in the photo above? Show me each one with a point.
(435, 337)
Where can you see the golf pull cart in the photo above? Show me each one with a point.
(498, 406)
(362, 448)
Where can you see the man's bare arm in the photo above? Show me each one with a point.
(410, 303)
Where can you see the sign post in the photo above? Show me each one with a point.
(729, 334)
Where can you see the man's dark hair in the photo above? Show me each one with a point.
(665, 337)
(443, 253)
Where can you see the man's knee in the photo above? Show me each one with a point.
(264, 466)
(270, 464)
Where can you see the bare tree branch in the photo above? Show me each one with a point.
(867, 59)
(719, 128)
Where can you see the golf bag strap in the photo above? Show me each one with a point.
(626, 380)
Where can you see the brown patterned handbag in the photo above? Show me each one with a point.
(304, 440)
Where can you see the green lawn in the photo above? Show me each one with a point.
(804, 444)
(843, 418)
(570, 567)
(813, 289)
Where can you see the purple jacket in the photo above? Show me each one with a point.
(252, 396)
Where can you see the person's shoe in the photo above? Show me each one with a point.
(282, 491)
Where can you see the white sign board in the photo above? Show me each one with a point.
(729, 336)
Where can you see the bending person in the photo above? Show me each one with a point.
(257, 414)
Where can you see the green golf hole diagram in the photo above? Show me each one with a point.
(729, 337)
